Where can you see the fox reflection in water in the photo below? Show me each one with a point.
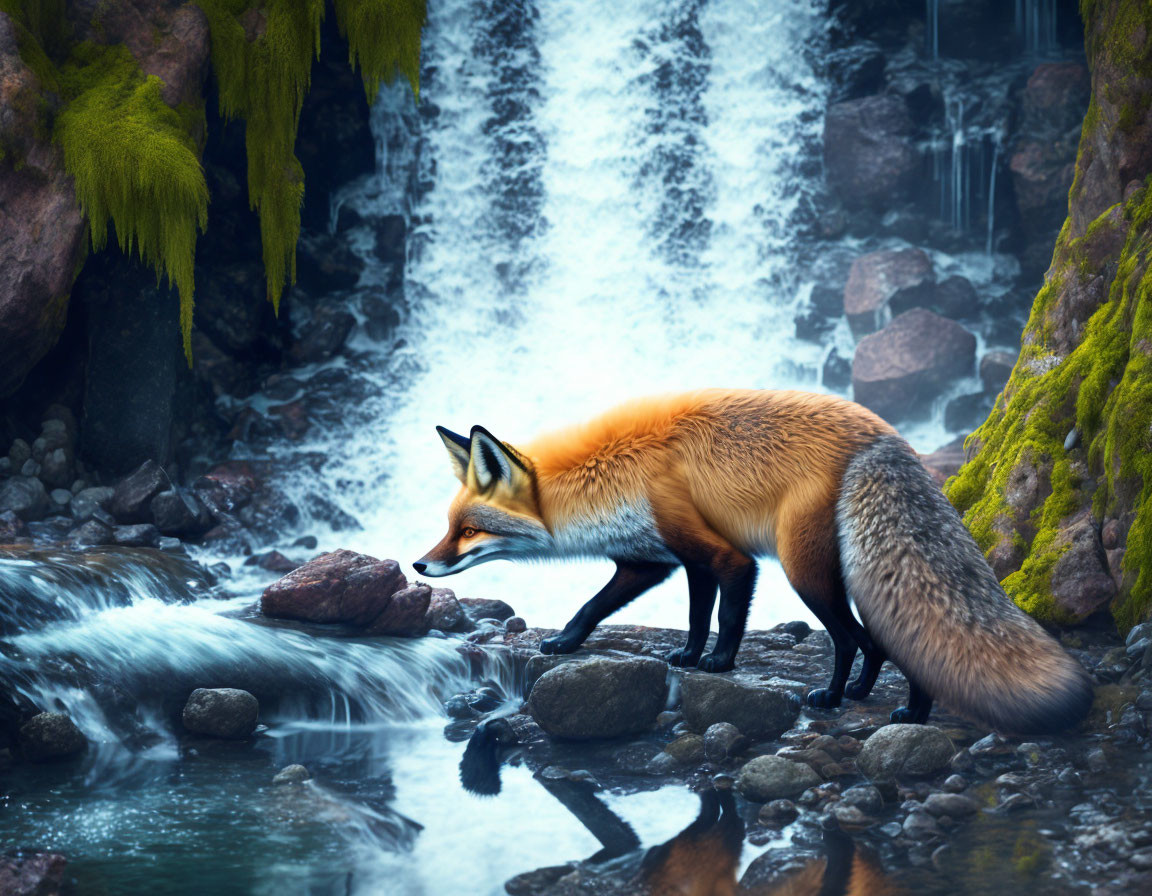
(702, 860)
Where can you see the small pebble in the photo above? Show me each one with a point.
(292, 774)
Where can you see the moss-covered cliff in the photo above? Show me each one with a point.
(1058, 486)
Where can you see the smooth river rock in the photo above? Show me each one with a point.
(768, 778)
(51, 735)
(758, 712)
(599, 697)
(228, 713)
(898, 751)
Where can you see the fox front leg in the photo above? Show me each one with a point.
(701, 600)
(629, 582)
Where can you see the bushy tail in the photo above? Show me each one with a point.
(928, 597)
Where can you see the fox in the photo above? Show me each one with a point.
(710, 481)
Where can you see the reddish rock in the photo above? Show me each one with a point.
(32, 874)
(226, 487)
(352, 588)
(877, 279)
(445, 612)
(868, 151)
(898, 371)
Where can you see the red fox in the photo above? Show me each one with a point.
(709, 480)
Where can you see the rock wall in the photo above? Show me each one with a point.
(1058, 485)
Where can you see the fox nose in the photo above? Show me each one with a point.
(420, 567)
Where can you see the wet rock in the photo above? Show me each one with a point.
(868, 154)
(273, 561)
(837, 371)
(864, 797)
(1081, 581)
(326, 263)
(88, 500)
(723, 740)
(758, 712)
(177, 512)
(922, 826)
(599, 697)
(479, 608)
(324, 335)
(60, 498)
(445, 612)
(899, 371)
(897, 751)
(515, 625)
(688, 749)
(955, 784)
(132, 499)
(954, 805)
(954, 297)
(226, 487)
(777, 813)
(90, 534)
(19, 453)
(341, 586)
(768, 778)
(945, 462)
(966, 412)
(880, 281)
(995, 368)
(11, 527)
(57, 468)
(227, 713)
(32, 874)
(142, 535)
(51, 735)
(292, 774)
(24, 496)
(406, 614)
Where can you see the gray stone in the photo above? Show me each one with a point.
(228, 713)
(51, 735)
(514, 625)
(1081, 581)
(864, 797)
(90, 534)
(87, 501)
(771, 778)
(954, 805)
(723, 740)
(142, 535)
(25, 496)
(57, 468)
(599, 697)
(292, 774)
(905, 751)
(19, 453)
(486, 608)
(778, 812)
(760, 713)
(132, 498)
(30, 468)
(177, 512)
(921, 826)
(11, 527)
(995, 368)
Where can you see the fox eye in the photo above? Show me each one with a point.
(469, 532)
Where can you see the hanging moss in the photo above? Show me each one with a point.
(262, 59)
(134, 165)
(383, 39)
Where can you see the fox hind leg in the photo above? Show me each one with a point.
(737, 576)
(629, 582)
(918, 708)
(874, 656)
(701, 598)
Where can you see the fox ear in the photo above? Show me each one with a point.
(493, 463)
(459, 449)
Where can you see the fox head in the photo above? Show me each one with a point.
(497, 511)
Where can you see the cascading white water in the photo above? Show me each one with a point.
(608, 205)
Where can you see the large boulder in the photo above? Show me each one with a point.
(868, 151)
(898, 751)
(879, 281)
(599, 697)
(899, 371)
(758, 712)
(767, 778)
(1081, 581)
(227, 713)
(51, 735)
(25, 496)
(352, 588)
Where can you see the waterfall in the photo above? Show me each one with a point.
(932, 27)
(1036, 22)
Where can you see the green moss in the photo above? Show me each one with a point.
(134, 164)
(383, 39)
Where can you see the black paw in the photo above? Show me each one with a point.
(905, 716)
(715, 662)
(561, 643)
(857, 690)
(823, 698)
(682, 657)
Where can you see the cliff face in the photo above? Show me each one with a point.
(1058, 484)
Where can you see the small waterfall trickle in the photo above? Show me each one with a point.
(1036, 26)
(932, 28)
